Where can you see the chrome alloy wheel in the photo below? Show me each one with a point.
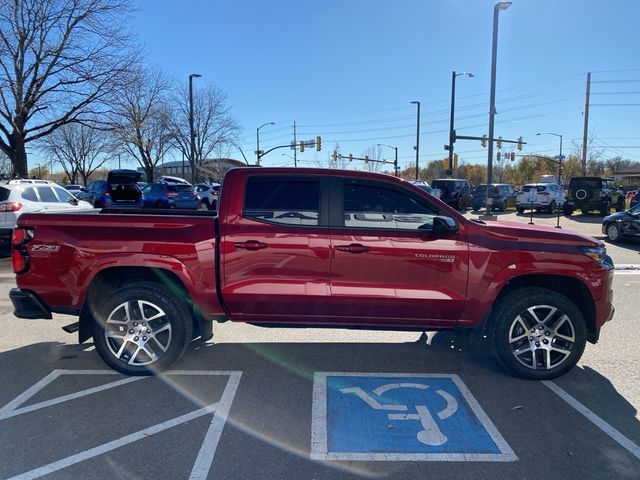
(137, 332)
(542, 337)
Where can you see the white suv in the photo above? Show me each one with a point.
(26, 196)
(540, 196)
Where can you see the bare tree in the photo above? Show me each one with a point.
(59, 59)
(375, 154)
(213, 125)
(142, 118)
(80, 149)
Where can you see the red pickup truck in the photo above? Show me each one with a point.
(314, 248)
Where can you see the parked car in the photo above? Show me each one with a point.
(540, 196)
(307, 247)
(503, 196)
(622, 224)
(426, 187)
(25, 196)
(594, 193)
(208, 194)
(118, 190)
(164, 194)
(73, 188)
(454, 192)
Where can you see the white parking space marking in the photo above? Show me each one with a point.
(204, 460)
(107, 447)
(595, 419)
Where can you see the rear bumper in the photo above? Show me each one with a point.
(27, 304)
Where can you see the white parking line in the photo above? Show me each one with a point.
(204, 460)
(595, 419)
(107, 447)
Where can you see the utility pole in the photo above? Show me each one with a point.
(295, 143)
(417, 147)
(492, 101)
(585, 134)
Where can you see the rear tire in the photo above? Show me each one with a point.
(519, 209)
(537, 333)
(142, 328)
(552, 207)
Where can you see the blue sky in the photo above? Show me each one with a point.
(347, 70)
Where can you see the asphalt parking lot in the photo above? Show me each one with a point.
(315, 404)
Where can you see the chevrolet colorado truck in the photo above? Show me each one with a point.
(312, 248)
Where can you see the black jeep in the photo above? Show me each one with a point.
(593, 193)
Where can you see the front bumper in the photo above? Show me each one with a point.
(27, 304)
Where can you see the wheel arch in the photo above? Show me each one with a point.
(111, 279)
(570, 287)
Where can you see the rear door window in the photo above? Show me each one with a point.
(47, 194)
(283, 201)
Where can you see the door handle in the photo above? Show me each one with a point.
(353, 248)
(250, 245)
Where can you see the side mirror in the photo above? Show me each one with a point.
(83, 189)
(441, 226)
(73, 201)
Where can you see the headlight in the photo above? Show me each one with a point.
(596, 253)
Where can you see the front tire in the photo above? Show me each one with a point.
(613, 232)
(142, 328)
(538, 333)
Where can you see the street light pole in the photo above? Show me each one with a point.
(559, 156)
(191, 132)
(395, 160)
(258, 140)
(417, 147)
(452, 131)
(492, 100)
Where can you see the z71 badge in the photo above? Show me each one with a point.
(45, 248)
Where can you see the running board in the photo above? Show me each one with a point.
(72, 327)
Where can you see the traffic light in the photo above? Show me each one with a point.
(483, 141)
(302, 146)
(334, 155)
(318, 144)
(499, 142)
(455, 160)
(513, 156)
(498, 156)
(350, 157)
(519, 143)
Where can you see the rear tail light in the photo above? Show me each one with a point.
(10, 206)
(19, 255)
(172, 194)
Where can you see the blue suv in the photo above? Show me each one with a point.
(162, 194)
(118, 190)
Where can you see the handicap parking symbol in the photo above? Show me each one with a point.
(375, 416)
